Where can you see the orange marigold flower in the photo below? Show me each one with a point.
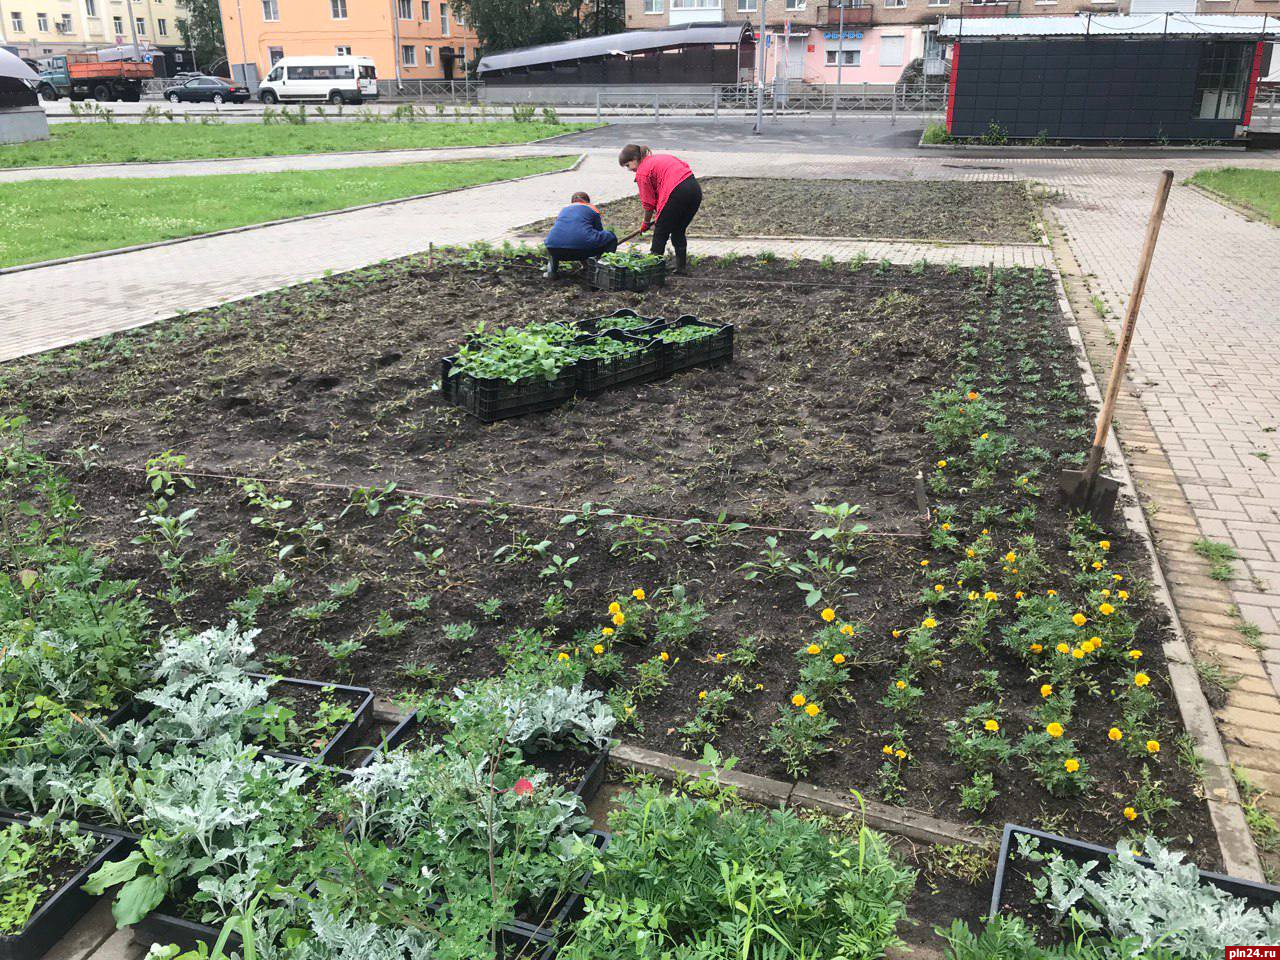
(1130, 813)
(838, 658)
(1115, 735)
(1054, 730)
(991, 726)
(1071, 764)
(828, 614)
(1141, 680)
(798, 700)
(813, 709)
(1046, 690)
(1153, 746)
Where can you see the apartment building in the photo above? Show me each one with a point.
(45, 28)
(407, 39)
(880, 37)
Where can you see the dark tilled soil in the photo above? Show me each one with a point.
(824, 403)
(998, 211)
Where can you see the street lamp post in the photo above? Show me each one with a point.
(835, 99)
(760, 74)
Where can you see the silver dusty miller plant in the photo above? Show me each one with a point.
(1163, 905)
(543, 718)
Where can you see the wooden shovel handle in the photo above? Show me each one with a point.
(1130, 323)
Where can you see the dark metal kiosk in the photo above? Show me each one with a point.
(1137, 77)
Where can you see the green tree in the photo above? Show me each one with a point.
(507, 24)
(200, 24)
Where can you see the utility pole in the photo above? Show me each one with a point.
(760, 73)
(395, 50)
(835, 99)
(244, 50)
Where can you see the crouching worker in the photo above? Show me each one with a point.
(578, 234)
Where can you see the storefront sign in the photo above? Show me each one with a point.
(848, 35)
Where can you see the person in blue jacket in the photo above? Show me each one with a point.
(578, 234)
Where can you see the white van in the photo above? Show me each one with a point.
(336, 80)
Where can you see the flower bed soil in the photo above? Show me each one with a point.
(824, 404)
(975, 211)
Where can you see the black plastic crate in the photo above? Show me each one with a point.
(567, 911)
(598, 375)
(489, 400)
(591, 781)
(1079, 851)
(605, 276)
(165, 926)
(601, 324)
(707, 351)
(347, 738)
(61, 911)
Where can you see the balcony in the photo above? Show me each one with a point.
(858, 15)
(990, 8)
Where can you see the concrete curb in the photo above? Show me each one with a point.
(1101, 149)
(303, 156)
(97, 254)
(1246, 211)
(1235, 841)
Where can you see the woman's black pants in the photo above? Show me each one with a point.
(675, 218)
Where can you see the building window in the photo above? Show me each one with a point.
(162, 27)
(895, 3)
(852, 58)
(274, 54)
(338, 9)
(795, 4)
(1221, 80)
(457, 18)
(426, 9)
(943, 3)
(653, 6)
(747, 6)
(444, 19)
(428, 56)
(404, 9)
(891, 51)
(697, 4)
(270, 10)
(342, 51)
(117, 24)
(140, 24)
(15, 19)
(90, 8)
(64, 25)
(409, 55)
(42, 23)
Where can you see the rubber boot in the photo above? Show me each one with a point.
(552, 266)
(682, 262)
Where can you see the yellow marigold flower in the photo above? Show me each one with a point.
(1105, 544)
(813, 709)
(1072, 765)
(938, 588)
(935, 663)
(946, 526)
(598, 648)
(900, 754)
(1097, 564)
(1078, 653)
(924, 563)
(798, 700)
(1019, 595)
(838, 658)
(1106, 609)
(1116, 577)
(615, 607)
(982, 437)
(1054, 730)
(990, 595)
(985, 531)
(972, 395)
(929, 622)
(1088, 646)
(1051, 593)
(813, 648)
(1135, 654)
(638, 593)
(991, 726)
(619, 619)
(562, 655)
(897, 633)
(1122, 594)
(900, 684)
(847, 629)
(1141, 679)
(664, 656)
(828, 614)
(1153, 746)
(973, 594)
(1079, 619)
(942, 463)
(1037, 647)
(1130, 813)
(969, 552)
(1095, 642)
(887, 750)
(702, 694)
(1063, 648)
(1046, 690)
(606, 631)
(1115, 735)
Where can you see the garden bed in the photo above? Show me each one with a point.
(826, 403)
(963, 211)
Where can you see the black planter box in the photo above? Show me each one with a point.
(589, 786)
(347, 738)
(1256, 894)
(164, 926)
(605, 276)
(714, 349)
(601, 324)
(642, 366)
(490, 400)
(571, 907)
(63, 909)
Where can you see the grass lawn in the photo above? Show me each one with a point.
(1259, 190)
(47, 219)
(121, 143)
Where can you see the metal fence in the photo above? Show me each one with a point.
(794, 98)
(1266, 110)
(431, 91)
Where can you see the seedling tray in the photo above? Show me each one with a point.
(698, 353)
(165, 926)
(601, 324)
(1257, 894)
(63, 909)
(589, 785)
(492, 400)
(394, 738)
(596, 376)
(605, 276)
(347, 738)
(571, 908)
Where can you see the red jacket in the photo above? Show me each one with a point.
(657, 175)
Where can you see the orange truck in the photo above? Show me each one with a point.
(82, 78)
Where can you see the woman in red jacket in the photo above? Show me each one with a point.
(670, 195)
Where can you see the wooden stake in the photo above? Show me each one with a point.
(1126, 335)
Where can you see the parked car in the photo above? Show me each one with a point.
(336, 80)
(207, 90)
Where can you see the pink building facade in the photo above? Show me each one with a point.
(871, 54)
